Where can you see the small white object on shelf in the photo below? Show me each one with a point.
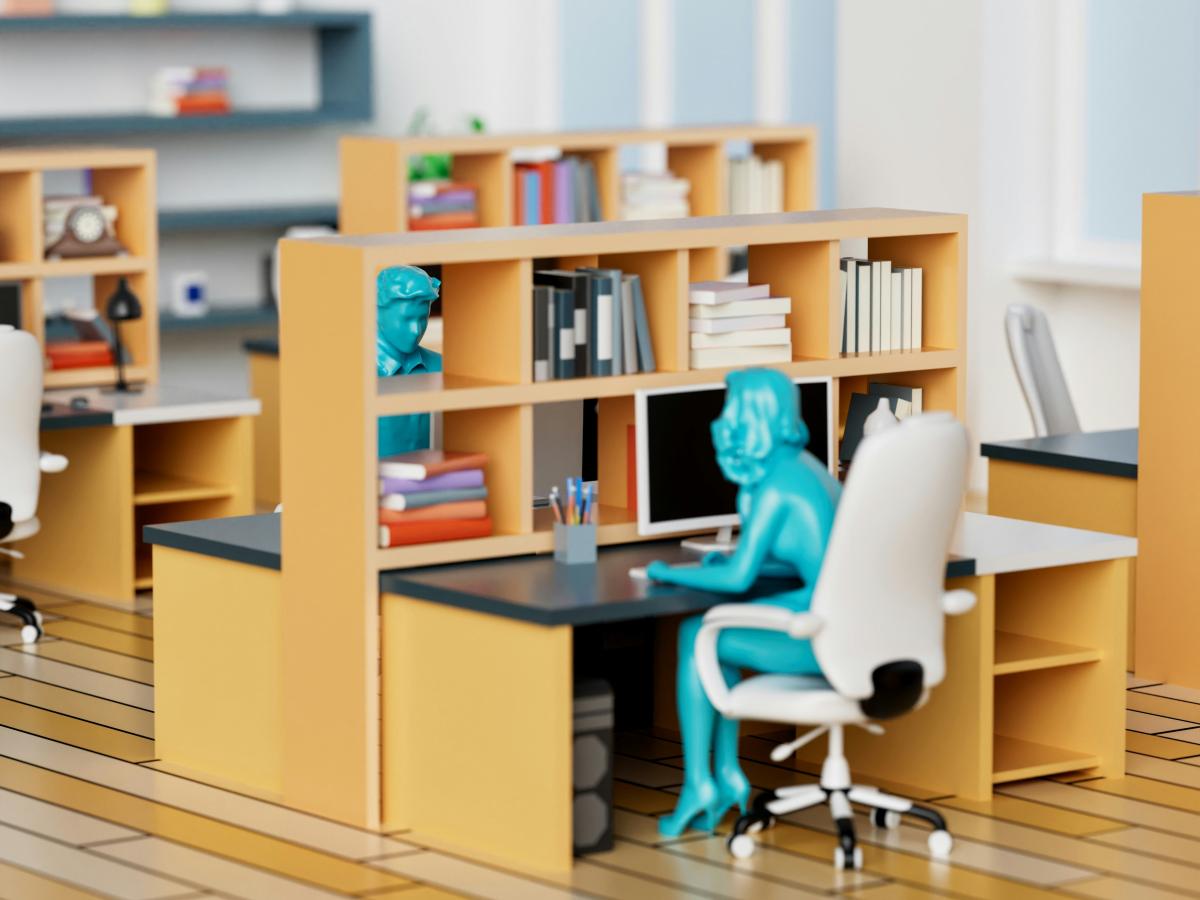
(189, 295)
(881, 419)
(275, 7)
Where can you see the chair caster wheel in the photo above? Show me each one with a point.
(852, 862)
(940, 844)
(741, 846)
(30, 634)
(885, 818)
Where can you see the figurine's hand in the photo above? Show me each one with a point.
(714, 558)
(657, 570)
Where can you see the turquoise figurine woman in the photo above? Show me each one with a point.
(786, 502)
(403, 295)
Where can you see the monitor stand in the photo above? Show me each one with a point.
(722, 542)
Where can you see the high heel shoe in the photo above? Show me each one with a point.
(699, 802)
(733, 789)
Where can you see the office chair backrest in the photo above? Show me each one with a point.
(20, 420)
(1031, 347)
(881, 585)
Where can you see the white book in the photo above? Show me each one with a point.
(885, 309)
(774, 170)
(740, 323)
(760, 337)
(877, 288)
(714, 292)
(897, 313)
(720, 357)
(864, 305)
(604, 331)
(906, 309)
(918, 303)
(767, 306)
(850, 340)
(842, 318)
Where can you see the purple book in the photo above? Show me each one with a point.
(466, 478)
(563, 191)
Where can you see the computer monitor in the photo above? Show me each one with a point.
(679, 484)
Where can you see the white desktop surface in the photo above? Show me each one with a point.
(1014, 545)
(157, 403)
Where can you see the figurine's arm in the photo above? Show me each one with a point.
(738, 572)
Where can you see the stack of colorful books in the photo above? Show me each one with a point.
(432, 495)
(735, 324)
(190, 91)
(434, 205)
(555, 191)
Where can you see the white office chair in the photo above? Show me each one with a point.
(1031, 347)
(21, 462)
(875, 623)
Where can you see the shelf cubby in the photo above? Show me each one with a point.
(1016, 760)
(808, 274)
(125, 178)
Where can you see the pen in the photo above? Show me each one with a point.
(587, 504)
(570, 502)
(555, 504)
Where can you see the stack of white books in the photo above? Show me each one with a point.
(755, 185)
(648, 196)
(735, 324)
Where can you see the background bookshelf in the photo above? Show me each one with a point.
(125, 178)
(374, 171)
(487, 397)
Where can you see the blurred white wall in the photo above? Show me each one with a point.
(949, 106)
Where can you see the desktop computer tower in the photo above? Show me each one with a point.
(592, 774)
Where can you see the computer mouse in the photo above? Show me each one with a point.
(80, 402)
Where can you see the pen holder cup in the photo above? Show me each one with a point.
(574, 543)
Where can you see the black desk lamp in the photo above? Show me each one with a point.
(122, 306)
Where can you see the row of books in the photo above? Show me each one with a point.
(755, 185)
(555, 192)
(733, 324)
(882, 306)
(589, 322)
(189, 91)
(650, 196)
(903, 400)
(78, 339)
(434, 205)
(432, 495)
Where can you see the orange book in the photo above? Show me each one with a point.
(518, 215)
(546, 175)
(438, 221)
(417, 465)
(462, 509)
(398, 534)
(631, 469)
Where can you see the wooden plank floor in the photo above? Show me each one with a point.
(86, 812)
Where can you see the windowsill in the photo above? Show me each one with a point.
(1052, 271)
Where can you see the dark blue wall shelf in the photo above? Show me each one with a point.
(344, 49)
(220, 318)
(246, 217)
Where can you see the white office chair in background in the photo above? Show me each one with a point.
(876, 625)
(21, 461)
(1031, 347)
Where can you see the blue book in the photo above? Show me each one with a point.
(533, 196)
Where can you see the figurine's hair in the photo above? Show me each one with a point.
(398, 284)
(767, 404)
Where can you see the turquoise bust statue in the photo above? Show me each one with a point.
(786, 502)
(403, 295)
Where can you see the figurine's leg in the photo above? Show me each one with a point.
(732, 784)
(697, 721)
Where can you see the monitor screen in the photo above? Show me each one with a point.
(680, 485)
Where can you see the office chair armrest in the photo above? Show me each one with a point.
(742, 615)
(955, 603)
(52, 462)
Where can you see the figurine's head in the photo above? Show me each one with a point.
(761, 417)
(402, 298)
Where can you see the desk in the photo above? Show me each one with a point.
(478, 661)
(155, 456)
(1086, 480)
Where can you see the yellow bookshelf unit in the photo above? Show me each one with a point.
(374, 170)
(125, 178)
(487, 397)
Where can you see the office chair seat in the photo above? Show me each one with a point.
(799, 699)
